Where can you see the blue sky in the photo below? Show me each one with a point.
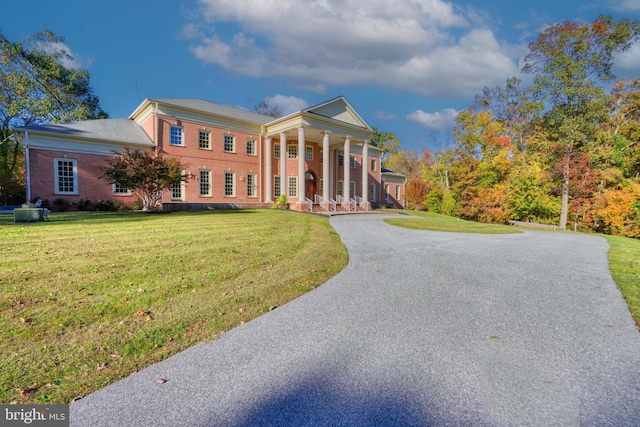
(407, 66)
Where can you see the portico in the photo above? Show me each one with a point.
(327, 144)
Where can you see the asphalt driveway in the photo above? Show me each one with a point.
(421, 328)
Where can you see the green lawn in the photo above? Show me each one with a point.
(87, 299)
(624, 252)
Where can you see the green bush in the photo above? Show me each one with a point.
(61, 205)
(281, 203)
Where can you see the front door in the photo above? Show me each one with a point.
(310, 185)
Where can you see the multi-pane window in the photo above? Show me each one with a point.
(276, 151)
(372, 192)
(229, 143)
(251, 185)
(204, 139)
(229, 184)
(340, 188)
(373, 164)
(66, 176)
(277, 189)
(176, 135)
(293, 186)
(321, 157)
(293, 151)
(176, 191)
(352, 190)
(119, 190)
(386, 192)
(340, 160)
(352, 162)
(251, 147)
(320, 191)
(397, 192)
(309, 152)
(205, 183)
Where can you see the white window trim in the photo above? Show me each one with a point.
(306, 151)
(276, 151)
(352, 189)
(292, 190)
(181, 136)
(295, 146)
(233, 183)
(254, 193)
(202, 131)
(121, 193)
(210, 194)
(352, 162)
(75, 176)
(224, 143)
(277, 192)
(374, 164)
(253, 152)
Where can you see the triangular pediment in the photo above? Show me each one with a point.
(338, 109)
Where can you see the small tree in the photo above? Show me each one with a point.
(146, 174)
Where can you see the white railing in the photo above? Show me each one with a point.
(309, 204)
(325, 202)
(363, 202)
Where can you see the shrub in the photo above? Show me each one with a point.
(61, 205)
(85, 205)
(281, 203)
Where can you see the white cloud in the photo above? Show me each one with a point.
(68, 59)
(287, 104)
(440, 121)
(627, 64)
(423, 46)
(627, 5)
(383, 115)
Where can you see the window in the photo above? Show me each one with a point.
(321, 157)
(352, 190)
(373, 164)
(397, 192)
(251, 147)
(321, 187)
(204, 139)
(229, 184)
(340, 160)
(276, 151)
(352, 162)
(66, 176)
(205, 183)
(372, 192)
(176, 136)
(119, 190)
(229, 143)
(386, 192)
(293, 186)
(293, 151)
(309, 152)
(251, 185)
(340, 188)
(177, 191)
(277, 189)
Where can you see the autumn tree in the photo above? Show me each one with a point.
(267, 108)
(37, 85)
(146, 174)
(386, 141)
(570, 62)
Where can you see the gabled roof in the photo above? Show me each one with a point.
(211, 108)
(338, 109)
(117, 130)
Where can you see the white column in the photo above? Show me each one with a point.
(325, 167)
(284, 181)
(347, 168)
(302, 155)
(365, 170)
(269, 171)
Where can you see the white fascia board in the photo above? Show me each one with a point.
(50, 142)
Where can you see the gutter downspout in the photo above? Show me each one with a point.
(27, 165)
(260, 159)
(155, 130)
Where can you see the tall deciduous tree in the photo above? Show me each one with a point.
(37, 86)
(570, 61)
(146, 174)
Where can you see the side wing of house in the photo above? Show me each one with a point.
(65, 161)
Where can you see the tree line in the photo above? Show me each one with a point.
(563, 150)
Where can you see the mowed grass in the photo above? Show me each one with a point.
(419, 220)
(624, 252)
(87, 299)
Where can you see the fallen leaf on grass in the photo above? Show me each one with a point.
(101, 366)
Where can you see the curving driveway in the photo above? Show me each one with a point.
(421, 328)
